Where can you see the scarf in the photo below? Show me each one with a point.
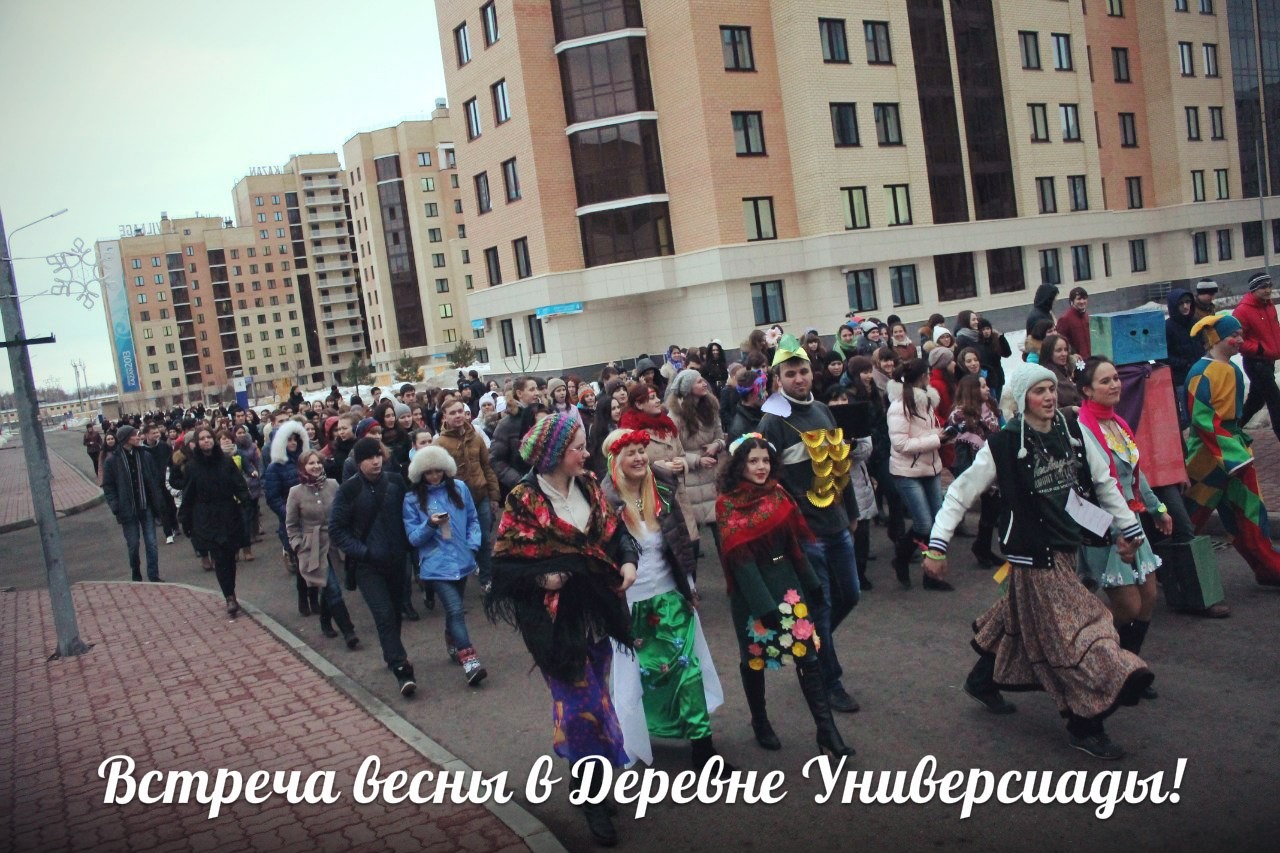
(658, 426)
(1091, 416)
(306, 479)
(754, 521)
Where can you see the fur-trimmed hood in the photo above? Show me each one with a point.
(431, 458)
(280, 441)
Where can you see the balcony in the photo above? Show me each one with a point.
(325, 199)
(327, 216)
(346, 346)
(323, 233)
(321, 184)
(338, 299)
(334, 266)
(344, 329)
(353, 314)
(326, 283)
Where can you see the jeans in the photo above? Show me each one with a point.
(450, 594)
(833, 562)
(879, 470)
(148, 524)
(484, 557)
(922, 498)
(1262, 392)
(382, 587)
(332, 589)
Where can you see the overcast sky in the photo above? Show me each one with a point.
(119, 111)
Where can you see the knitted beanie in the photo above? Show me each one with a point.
(400, 408)
(940, 356)
(364, 426)
(1023, 380)
(939, 331)
(682, 385)
(545, 444)
(1257, 282)
(366, 448)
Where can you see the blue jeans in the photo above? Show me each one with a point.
(484, 557)
(450, 594)
(332, 589)
(834, 564)
(382, 587)
(147, 522)
(922, 498)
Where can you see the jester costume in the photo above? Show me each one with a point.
(1220, 465)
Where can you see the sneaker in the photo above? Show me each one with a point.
(453, 652)
(1098, 745)
(840, 700)
(168, 540)
(404, 677)
(991, 700)
(472, 669)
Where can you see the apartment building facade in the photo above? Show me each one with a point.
(411, 241)
(689, 171)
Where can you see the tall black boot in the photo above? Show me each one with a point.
(862, 553)
(342, 617)
(753, 687)
(599, 815)
(815, 693)
(326, 619)
(1127, 638)
(902, 548)
(982, 546)
(981, 685)
(703, 749)
(313, 600)
(1137, 636)
(304, 603)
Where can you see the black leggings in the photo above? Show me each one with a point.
(224, 566)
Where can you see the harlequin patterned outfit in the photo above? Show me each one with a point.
(1220, 466)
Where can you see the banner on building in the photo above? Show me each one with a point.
(117, 300)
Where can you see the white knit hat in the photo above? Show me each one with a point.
(1023, 380)
(431, 458)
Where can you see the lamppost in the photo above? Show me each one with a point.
(34, 450)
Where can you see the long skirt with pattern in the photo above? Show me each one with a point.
(1050, 633)
(585, 722)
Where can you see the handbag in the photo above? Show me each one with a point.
(1189, 574)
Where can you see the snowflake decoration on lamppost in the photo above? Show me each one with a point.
(75, 269)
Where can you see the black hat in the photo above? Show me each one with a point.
(366, 448)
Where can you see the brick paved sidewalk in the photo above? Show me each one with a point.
(175, 685)
(72, 490)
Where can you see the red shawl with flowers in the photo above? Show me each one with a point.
(656, 425)
(752, 519)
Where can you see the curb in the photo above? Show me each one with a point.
(65, 512)
(533, 832)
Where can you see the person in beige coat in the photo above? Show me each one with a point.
(306, 523)
(696, 413)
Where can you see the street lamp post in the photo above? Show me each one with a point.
(36, 453)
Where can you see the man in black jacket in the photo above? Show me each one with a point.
(367, 525)
(157, 444)
(134, 489)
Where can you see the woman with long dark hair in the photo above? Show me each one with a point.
(716, 368)
(211, 514)
(608, 411)
(1056, 354)
(975, 420)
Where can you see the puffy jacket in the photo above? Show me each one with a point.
(441, 559)
(700, 483)
(1261, 329)
(504, 451)
(914, 441)
(282, 473)
(357, 508)
(469, 451)
(1042, 306)
(1184, 350)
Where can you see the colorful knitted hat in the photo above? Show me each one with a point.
(1216, 327)
(544, 445)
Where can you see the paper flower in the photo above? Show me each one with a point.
(683, 660)
(785, 640)
(773, 664)
(756, 664)
(755, 650)
(774, 651)
(772, 336)
(788, 622)
(757, 631)
(784, 609)
(792, 597)
(788, 659)
(799, 650)
(801, 610)
(678, 642)
(803, 629)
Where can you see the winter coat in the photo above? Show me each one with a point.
(211, 514)
(251, 468)
(664, 449)
(441, 559)
(700, 483)
(678, 546)
(745, 419)
(1074, 326)
(1261, 329)
(863, 489)
(990, 353)
(306, 522)
(914, 441)
(117, 485)
(1042, 306)
(938, 382)
(471, 454)
(282, 473)
(1184, 350)
(92, 442)
(335, 456)
(504, 450)
(358, 507)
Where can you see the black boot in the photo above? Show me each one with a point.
(815, 693)
(304, 602)
(1131, 639)
(902, 549)
(326, 619)
(753, 686)
(703, 750)
(599, 815)
(981, 686)
(982, 548)
(342, 617)
(862, 554)
(313, 600)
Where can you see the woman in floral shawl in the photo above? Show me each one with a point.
(772, 587)
(561, 562)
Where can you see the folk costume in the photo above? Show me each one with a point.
(1219, 461)
(669, 687)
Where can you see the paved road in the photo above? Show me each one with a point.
(907, 652)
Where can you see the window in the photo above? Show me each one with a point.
(437, 260)
(462, 42)
(1050, 267)
(736, 44)
(434, 235)
(1197, 184)
(428, 185)
(1062, 52)
(142, 299)
(1193, 123)
(879, 50)
(462, 231)
(262, 217)
(757, 217)
(431, 209)
(1039, 122)
(424, 159)
(483, 203)
(446, 310)
(1224, 244)
(1029, 43)
(1251, 232)
(1070, 115)
(748, 134)
(520, 248)
(844, 124)
(450, 336)
(888, 125)
(1217, 129)
(493, 265)
(1133, 189)
(136, 263)
(1179, 5)
(1206, 7)
(1186, 59)
(1224, 185)
(489, 18)
(144, 316)
(1138, 255)
(1082, 262)
(898, 201)
(507, 327)
(902, 285)
(1047, 195)
(1128, 131)
(537, 343)
(501, 106)
(834, 46)
(511, 180)
(861, 286)
(1210, 60)
(155, 260)
(1120, 64)
(472, 110)
(766, 296)
(1200, 247)
(1115, 8)
(137, 280)
(855, 208)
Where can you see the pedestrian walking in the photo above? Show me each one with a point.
(211, 511)
(134, 489)
(93, 444)
(307, 511)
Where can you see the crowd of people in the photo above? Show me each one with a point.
(579, 506)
